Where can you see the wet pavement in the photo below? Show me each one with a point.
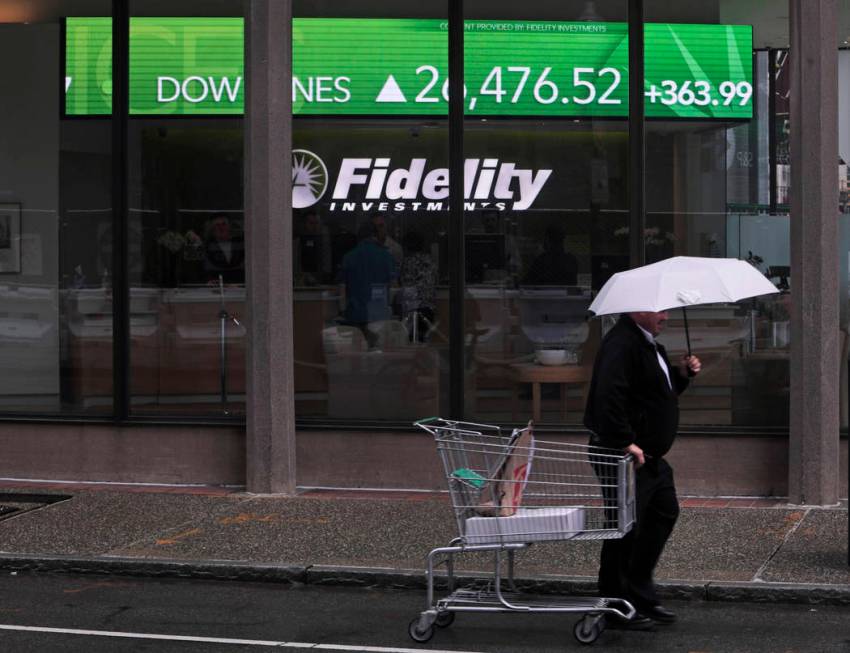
(739, 547)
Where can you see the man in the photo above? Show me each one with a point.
(553, 265)
(386, 241)
(367, 273)
(312, 247)
(224, 254)
(633, 405)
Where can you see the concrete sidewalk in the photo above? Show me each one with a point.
(721, 549)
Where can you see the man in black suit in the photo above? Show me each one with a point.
(633, 405)
(554, 265)
(224, 253)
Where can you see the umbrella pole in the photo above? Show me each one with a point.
(687, 333)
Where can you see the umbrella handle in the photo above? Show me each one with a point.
(687, 333)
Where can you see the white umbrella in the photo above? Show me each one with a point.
(680, 282)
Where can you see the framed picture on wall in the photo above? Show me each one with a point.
(10, 238)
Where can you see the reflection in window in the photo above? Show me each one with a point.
(710, 193)
(371, 271)
(531, 273)
(186, 267)
(55, 226)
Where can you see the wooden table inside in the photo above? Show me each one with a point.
(535, 374)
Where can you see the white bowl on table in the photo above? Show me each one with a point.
(552, 356)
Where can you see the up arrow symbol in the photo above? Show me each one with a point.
(391, 92)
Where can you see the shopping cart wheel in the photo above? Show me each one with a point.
(418, 635)
(587, 630)
(445, 619)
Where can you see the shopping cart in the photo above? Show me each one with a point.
(509, 490)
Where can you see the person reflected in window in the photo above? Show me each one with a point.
(497, 222)
(418, 277)
(385, 240)
(312, 248)
(367, 273)
(224, 253)
(554, 266)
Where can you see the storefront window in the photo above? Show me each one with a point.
(370, 198)
(711, 192)
(186, 249)
(546, 217)
(55, 210)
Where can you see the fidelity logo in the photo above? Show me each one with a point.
(309, 179)
(490, 183)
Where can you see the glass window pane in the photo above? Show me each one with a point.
(186, 253)
(370, 193)
(710, 192)
(844, 206)
(546, 191)
(55, 208)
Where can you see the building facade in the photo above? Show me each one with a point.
(231, 250)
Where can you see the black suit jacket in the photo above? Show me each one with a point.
(630, 400)
(233, 270)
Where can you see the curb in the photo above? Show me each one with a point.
(389, 578)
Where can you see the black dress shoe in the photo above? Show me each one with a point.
(637, 622)
(660, 614)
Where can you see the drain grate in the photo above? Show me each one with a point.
(13, 504)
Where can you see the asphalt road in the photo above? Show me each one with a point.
(125, 613)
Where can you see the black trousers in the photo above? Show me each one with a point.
(626, 565)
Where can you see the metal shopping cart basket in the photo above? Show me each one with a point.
(509, 490)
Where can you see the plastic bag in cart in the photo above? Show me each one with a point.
(511, 477)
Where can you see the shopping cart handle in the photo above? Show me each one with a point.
(427, 420)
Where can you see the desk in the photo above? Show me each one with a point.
(190, 351)
(536, 374)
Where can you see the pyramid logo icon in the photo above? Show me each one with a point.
(391, 92)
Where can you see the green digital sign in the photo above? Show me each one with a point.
(88, 66)
(344, 66)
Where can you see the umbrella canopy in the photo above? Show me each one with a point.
(680, 282)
